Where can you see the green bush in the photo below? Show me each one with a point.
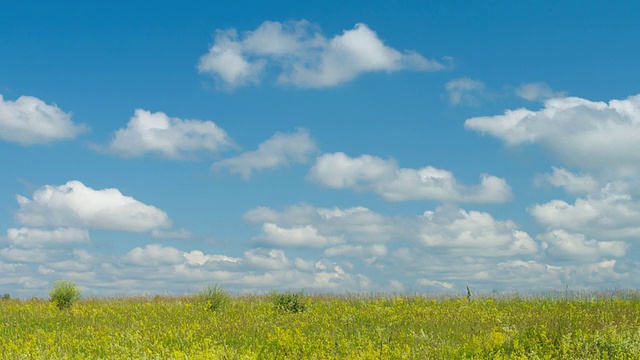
(6, 297)
(213, 297)
(63, 293)
(288, 301)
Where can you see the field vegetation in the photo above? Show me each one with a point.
(216, 325)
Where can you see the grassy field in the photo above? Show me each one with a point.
(587, 326)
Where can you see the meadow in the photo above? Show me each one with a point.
(317, 326)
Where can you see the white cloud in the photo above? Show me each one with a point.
(393, 183)
(604, 214)
(29, 121)
(299, 236)
(154, 255)
(537, 91)
(173, 138)
(225, 59)
(270, 259)
(35, 255)
(303, 57)
(464, 90)
(473, 233)
(583, 133)
(325, 226)
(279, 150)
(434, 283)
(572, 183)
(30, 237)
(197, 257)
(561, 245)
(76, 205)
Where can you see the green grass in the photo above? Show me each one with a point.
(586, 326)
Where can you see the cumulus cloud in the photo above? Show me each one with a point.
(197, 257)
(303, 57)
(537, 91)
(393, 183)
(270, 259)
(473, 233)
(76, 205)
(279, 150)
(570, 182)
(154, 255)
(30, 237)
(325, 226)
(562, 245)
(299, 236)
(587, 134)
(607, 213)
(464, 90)
(29, 121)
(173, 138)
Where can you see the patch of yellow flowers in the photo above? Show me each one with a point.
(332, 327)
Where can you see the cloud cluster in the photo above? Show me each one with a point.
(279, 150)
(173, 138)
(387, 179)
(473, 233)
(605, 213)
(587, 134)
(29, 121)
(303, 57)
(76, 205)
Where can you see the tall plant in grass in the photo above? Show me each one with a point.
(288, 301)
(64, 293)
(214, 297)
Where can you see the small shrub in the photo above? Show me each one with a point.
(288, 301)
(63, 293)
(6, 297)
(214, 297)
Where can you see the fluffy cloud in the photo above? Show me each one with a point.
(279, 150)
(197, 257)
(173, 138)
(572, 183)
(583, 133)
(303, 57)
(473, 233)
(299, 236)
(393, 183)
(325, 227)
(607, 213)
(30, 238)
(154, 255)
(29, 121)
(269, 259)
(464, 90)
(361, 233)
(537, 91)
(76, 205)
(561, 245)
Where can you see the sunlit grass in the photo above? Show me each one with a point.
(387, 326)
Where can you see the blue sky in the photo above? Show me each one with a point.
(362, 147)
